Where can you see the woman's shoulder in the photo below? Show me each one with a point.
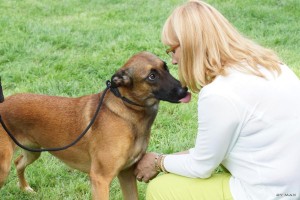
(220, 86)
(287, 73)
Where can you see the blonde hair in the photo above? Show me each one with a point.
(209, 45)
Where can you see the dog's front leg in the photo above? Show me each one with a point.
(128, 184)
(100, 185)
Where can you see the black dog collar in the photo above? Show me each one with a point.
(117, 93)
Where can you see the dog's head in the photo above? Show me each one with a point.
(145, 79)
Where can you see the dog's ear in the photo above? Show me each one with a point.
(121, 78)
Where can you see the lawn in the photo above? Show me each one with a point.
(70, 48)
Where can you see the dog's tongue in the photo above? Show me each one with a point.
(186, 99)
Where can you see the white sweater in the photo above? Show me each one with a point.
(252, 126)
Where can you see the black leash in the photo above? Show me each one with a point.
(1, 92)
(114, 90)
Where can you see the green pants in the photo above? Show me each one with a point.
(174, 187)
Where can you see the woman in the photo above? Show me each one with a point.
(248, 115)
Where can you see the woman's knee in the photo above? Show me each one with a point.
(165, 187)
(157, 187)
(153, 189)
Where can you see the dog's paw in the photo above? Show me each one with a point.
(27, 188)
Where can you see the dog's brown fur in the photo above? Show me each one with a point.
(116, 141)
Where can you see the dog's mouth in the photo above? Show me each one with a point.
(176, 95)
(186, 99)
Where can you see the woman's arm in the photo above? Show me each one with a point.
(218, 121)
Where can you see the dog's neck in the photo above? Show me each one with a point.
(129, 102)
(126, 110)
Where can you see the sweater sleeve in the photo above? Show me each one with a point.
(218, 121)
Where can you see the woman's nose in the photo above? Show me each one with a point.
(174, 61)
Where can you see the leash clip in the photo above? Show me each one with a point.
(114, 90)
(108, 84)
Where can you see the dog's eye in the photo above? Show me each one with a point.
(152, 77)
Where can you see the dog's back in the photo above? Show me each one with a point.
(30, 109)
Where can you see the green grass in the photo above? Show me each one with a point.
(70, 48)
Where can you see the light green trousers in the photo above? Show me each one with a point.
(174, 187)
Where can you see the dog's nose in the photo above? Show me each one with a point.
(182, 91)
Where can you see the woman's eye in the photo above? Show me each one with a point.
(151, 77)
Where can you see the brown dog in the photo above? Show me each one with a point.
(116, 141)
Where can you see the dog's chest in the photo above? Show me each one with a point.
(139, 139)
(138, 150)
